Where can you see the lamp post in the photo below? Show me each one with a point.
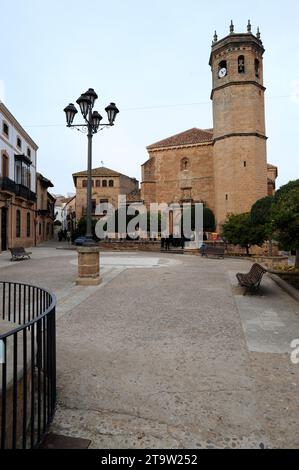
(92, 123)
(88, 253)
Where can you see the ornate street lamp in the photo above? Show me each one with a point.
(92, 122)
(70, 112)
(111, 111)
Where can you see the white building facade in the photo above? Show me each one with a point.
(18, 159)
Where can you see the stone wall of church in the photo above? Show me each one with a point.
(178, 175)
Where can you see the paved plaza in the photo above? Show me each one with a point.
(167, 352)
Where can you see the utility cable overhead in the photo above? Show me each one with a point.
(144, 108)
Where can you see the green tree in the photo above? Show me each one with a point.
(209, 223)
(285, 217)
(240, 230)
(81, 228)
(261, 214)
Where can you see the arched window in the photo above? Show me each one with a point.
(28, 223)
(5, 166)
(184, 164)
(84, 184)
(104, 183)
(111, 183)
(241, 64)
(257, 68)
(18, 223)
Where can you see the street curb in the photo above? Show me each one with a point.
(294, 293)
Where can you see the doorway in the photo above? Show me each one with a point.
(4, 220)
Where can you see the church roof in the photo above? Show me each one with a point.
(134, 196)
(190, 137)
(100, 171)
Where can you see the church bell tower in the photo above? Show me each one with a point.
(240, 153)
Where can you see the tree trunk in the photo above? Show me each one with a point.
(297, 259)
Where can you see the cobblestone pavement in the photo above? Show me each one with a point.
(167, 352)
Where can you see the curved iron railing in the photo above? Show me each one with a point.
(27, 364)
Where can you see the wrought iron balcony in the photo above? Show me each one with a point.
(7, 185)
(44, 212)
(21, 191)
(25, 193)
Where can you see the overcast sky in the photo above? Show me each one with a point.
(151, 58)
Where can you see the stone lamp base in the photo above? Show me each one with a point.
(88, 266)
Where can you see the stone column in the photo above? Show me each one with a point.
(88, 266)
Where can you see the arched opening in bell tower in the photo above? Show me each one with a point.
(241, 64)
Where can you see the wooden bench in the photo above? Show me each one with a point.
(18, 254)
(251, 280)
(210, 250)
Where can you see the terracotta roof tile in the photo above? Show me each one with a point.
(134, 196)
(189, 137)
(100, 171)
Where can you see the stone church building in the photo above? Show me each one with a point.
(225, 167)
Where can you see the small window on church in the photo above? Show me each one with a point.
(257, 68)
(245, 164)
(226, 197)
(241, 64)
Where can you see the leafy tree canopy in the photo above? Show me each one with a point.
(285, 216)
(240, 230)
(261, 210)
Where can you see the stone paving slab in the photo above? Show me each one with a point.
(169, 353)
(269, 327)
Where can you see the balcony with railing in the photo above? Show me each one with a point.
(19, 190)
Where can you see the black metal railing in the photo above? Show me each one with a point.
(25, 193)
(27, 364)
(20, 190)
(6, 184)
(43, 212)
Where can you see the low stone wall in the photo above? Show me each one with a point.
(271, 261)
(291, 278)
(155, 246)
(254, 250)
(130, 245)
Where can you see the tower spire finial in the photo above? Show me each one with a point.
(249, 27)
(258, 34)
(232, 27)
(215, 37)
